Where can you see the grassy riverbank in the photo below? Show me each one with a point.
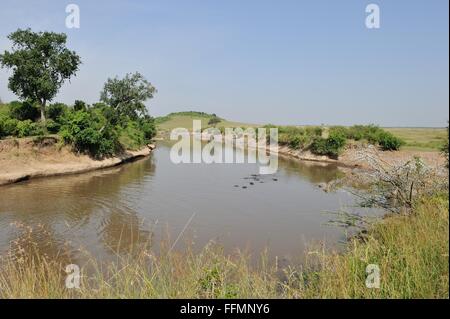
(416, 139)
(412, 253)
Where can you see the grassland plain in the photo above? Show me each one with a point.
(421, 139)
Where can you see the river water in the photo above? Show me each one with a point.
(106, 212)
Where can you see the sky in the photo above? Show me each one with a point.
(257, 61)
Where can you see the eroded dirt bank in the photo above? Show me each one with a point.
(356, 156)
(28, 158)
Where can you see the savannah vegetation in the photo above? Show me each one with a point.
(331, 141)
(40, 63)
(421, 139)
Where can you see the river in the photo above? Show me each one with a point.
(106, 212)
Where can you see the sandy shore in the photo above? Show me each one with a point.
(24, 159)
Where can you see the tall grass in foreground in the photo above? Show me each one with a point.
(411, 252)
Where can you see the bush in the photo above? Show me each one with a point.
(214, 120)
(23, 111)
(314, 131)
(389, 142)
(56, 111)
(331, 146)
(147, 125)
(25, 128)
(90, 133)
(131, 136)
(80, 105)
(341, 130)
(52, 126)
(297, 142)
(8, 126)
(110, 114)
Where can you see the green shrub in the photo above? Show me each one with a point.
(4, 109)
(8, 126)
(356, 132)
(214, 120)
(389, 142)
(79, 105)
(319, 146)
(331, 146)
(297, 142)
(52, 126)
(23, 111)
(56, 111)
(341, 130)
(25, 128)
(90, 133)
(132, 137)
(148, 127)
(284, 139)
(110, 114)
(314, 131)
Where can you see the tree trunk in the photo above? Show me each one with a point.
(43, 112)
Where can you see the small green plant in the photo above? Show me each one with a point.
(23, 111)
(90, 132)
(52, 126)
(297, 142)
(331, 146)
(131, 137)
(79, 105)
(214, 120)
(389, 142)
(8, 126)
(56, 111)
(147, 125)
(25, 128)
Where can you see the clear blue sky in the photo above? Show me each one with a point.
(283, 62)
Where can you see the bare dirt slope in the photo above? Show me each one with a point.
(26, 158)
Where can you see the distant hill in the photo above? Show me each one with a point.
(184, 119)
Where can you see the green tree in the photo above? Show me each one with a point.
(214, 120)
(127, 95)
(40, 63)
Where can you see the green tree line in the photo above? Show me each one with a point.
(40, 63)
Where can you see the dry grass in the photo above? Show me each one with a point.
(411, 251)
(421, 139)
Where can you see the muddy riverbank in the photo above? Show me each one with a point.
(29, 158)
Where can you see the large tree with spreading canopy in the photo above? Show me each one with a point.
(40, 64)
(127, 95)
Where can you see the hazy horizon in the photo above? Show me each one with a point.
(282, 62)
